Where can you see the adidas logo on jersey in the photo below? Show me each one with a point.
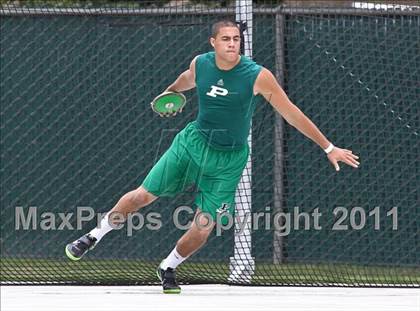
(220, 82)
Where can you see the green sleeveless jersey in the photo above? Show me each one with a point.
(226, 101)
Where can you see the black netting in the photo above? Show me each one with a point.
(77, 131)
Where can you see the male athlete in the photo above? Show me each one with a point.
(212, 151)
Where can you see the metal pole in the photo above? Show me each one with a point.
(242, 264)
(278, 243)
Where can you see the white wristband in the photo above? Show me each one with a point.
(329, 148)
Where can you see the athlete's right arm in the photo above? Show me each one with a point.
(185, 80)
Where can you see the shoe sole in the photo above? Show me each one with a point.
(172, 291)
(70, 255)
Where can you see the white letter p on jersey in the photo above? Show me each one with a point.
(217, 90)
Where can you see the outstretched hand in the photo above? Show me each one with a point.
(343, 155)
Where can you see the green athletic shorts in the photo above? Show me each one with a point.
(190, 160)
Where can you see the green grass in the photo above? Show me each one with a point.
(133, 272)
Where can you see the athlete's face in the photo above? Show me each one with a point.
(227, 43)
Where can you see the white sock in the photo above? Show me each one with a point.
(173, 260)
(104, 228)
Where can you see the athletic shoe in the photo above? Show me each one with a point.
(168, 279)
(80, 247)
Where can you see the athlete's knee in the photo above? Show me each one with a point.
(140, 197)
(202, 227)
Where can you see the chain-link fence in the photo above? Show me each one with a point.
(77, 131)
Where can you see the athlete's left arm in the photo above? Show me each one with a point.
(266, 85)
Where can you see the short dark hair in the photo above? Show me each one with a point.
(224, 23)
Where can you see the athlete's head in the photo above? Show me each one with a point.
(226, 40)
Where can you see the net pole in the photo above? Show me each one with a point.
(278, 242)
(242, 264)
